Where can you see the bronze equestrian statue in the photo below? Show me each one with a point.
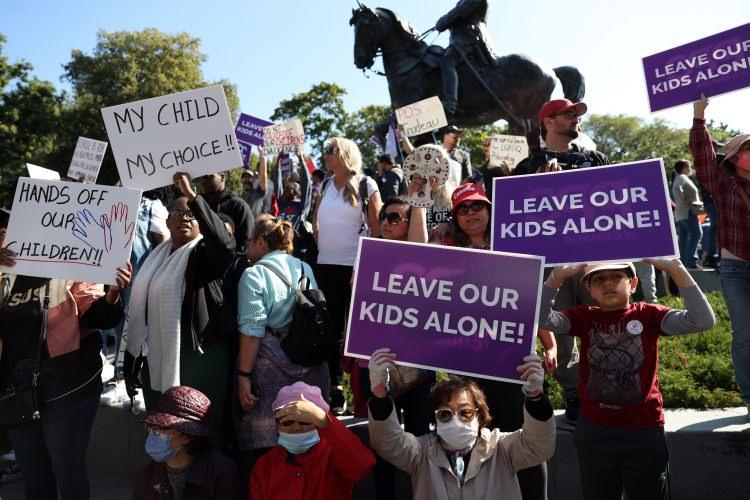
(512, 87)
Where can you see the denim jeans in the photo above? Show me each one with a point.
(735, 286)
(647, 279)
(52, 451)
(688, 237)
(708, 242)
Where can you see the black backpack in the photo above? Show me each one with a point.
(311, 330)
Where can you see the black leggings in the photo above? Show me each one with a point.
(505, 401)
(336, 284)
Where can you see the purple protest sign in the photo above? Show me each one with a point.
(465, 311)
(713, 65)
(600, 214)
(249, 132)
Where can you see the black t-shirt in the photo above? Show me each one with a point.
(489, 173)
(436, 216)
(577, 157)
(21, 320)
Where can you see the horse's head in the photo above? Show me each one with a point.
(368, 32)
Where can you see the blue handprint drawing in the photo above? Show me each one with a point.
(89, 229)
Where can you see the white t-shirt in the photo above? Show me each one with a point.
(339, 224)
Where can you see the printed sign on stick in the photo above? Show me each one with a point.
(188, 131)
(37, 172)
(713, 65)
(422, 116)
(69, 230)
(465, 311)
(249, 132)
(601, 214)
(510, 149)
(87, 159)
(285, 137)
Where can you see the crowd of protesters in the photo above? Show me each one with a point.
(209, 299)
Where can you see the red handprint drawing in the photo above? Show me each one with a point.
(118, 229)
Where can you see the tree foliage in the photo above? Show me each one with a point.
(359, 127)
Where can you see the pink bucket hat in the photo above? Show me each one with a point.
(294, 392)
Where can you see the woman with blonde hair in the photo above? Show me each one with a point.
(347, 208)
(265, 307)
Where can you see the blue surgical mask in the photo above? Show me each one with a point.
(298, 443)
(159, 448)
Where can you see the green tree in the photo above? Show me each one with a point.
(128, 66)
(359, 127)
(29, 113)
(321, 110)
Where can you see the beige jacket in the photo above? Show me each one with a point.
(491, 472)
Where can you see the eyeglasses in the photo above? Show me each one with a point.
(600, 280)
(393, 218)
(330, 149)
(179, 214)
(570, 115)
(445, 415)
(476, 207)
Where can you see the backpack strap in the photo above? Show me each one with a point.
(281, 276)
(304, 281)
(363, 198)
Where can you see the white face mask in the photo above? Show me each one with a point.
(457, 435)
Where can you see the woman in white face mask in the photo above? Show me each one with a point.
(463, 458)
(317, 457)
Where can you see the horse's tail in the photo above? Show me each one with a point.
(573, 83)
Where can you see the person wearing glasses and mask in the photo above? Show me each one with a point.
(316, 455)
(463, 458)
(178, 326)
(184, 464)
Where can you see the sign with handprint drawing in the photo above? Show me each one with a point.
(69, 230)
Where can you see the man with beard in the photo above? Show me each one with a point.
(559, 121)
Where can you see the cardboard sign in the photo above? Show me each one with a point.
(510, 149)
(69, 230)
(188, 131)
(422, 116)
(286, 137)
(249, 132)
(713, 65)
(37, 172)
(87, 159)
(614, 213)
(465, 311)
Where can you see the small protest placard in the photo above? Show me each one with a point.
(37, 172)
(249, 132)
(188, 131)
(70, 230)
(285, 137)
(713, 65)
(422, 116)
(602, 214)
(508, 149)
(87, 159)
(465, 311)
(428, 160)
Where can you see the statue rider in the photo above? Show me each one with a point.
(469, 36)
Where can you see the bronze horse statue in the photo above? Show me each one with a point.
(413, 71)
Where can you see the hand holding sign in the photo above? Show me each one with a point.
(380, 361)
(532, 374)
(699, 107)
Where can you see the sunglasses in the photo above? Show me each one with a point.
(570, 115)
(330, 149)
(393, 218)
(475, 206)
(179, 214)
(445, 415)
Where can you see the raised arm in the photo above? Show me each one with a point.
(550, 319)
(704, 157)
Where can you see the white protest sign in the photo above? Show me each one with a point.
(37, 172)
(70, 230)
(188, 131)
(422, 116)
(87, 159)
(285, 137)
(511, 149)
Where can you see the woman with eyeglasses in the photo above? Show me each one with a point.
(316, 455)
(347, 208)
(470, 228)
(463, 458)
(265, 307)
(178, 325)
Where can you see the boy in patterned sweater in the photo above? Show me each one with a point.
(620, 433)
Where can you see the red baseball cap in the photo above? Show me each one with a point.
(561, 106)
(468, 192)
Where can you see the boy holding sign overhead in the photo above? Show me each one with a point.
(620, 432)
